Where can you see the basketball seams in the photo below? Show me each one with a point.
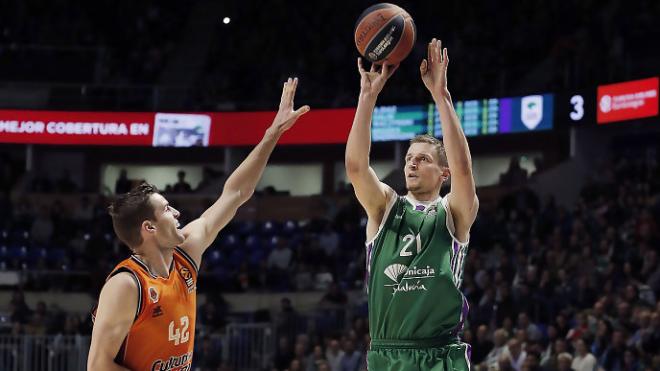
(370, 10)
(399, 12)
(407, 21)
(379, 31)
(383, 29)
(403, 33)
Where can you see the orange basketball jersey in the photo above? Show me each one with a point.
(162, 336)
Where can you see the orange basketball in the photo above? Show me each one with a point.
(385, 33)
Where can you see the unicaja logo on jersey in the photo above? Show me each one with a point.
(394, 271)
(408, 279)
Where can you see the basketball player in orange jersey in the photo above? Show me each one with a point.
(145, 319)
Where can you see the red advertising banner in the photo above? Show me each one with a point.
(78, 128)
(167, 129)
(627, 100)
(321, 126)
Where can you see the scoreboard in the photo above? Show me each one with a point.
(477, 117)
(399, 122)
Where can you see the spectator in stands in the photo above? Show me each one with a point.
(323, 278)
(329, 242)
(352, 359)
(334, 355)
(303, 280)
(39, 321)
(123, 184)
(300, 352)
(84, 212)
(210, 318)
(207, 356)
(533, 332)
(564, 361)
(278, 263)
(181, 186)
(549, 360)
(314, 360)
(283, 354)
(19, 311)
(531, 362)
(334, 297)
(500, 338)
(613, 357)
(650, 336)
(42, 228)
(287, 320)
(583, 360)
(482, 346)
(296, 365)
(514, 355)
(65, 183)
(515, 175)
(212, 180)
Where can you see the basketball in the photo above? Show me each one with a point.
(385, 33)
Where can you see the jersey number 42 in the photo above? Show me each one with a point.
(181, 334)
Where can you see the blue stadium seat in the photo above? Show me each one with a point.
(229, 240)
(270, 228)
(245, 228)
(253, 243)
(290, 228)
(19, 237)
(214, 258)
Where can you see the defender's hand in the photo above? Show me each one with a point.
(286, 116)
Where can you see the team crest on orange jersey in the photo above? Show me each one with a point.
(187, 277)
(153, 294)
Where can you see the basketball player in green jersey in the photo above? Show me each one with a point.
(417, 243)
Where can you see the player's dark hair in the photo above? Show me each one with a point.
(129, 210)
(439, 147)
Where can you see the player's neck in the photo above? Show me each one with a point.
(424, 196)
(157, 260)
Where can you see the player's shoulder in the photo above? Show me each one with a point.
(390, 194)
(121, 283)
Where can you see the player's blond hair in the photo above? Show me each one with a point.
(437, 144)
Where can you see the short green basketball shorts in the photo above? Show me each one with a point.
(402, 355)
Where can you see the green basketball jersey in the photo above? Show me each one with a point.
(414, 271)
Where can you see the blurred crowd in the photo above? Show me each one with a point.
(104, 42)
(549, 286)
(554, 288)
(582, 43)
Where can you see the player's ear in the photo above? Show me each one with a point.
(148, 226)
(445, 173)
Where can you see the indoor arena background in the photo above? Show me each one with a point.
(563, 258)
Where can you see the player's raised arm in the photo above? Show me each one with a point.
(114, 316)
(240, 185)
(463, 200)
(370, 192)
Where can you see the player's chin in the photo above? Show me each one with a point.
(410, 187)
(179, 237)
